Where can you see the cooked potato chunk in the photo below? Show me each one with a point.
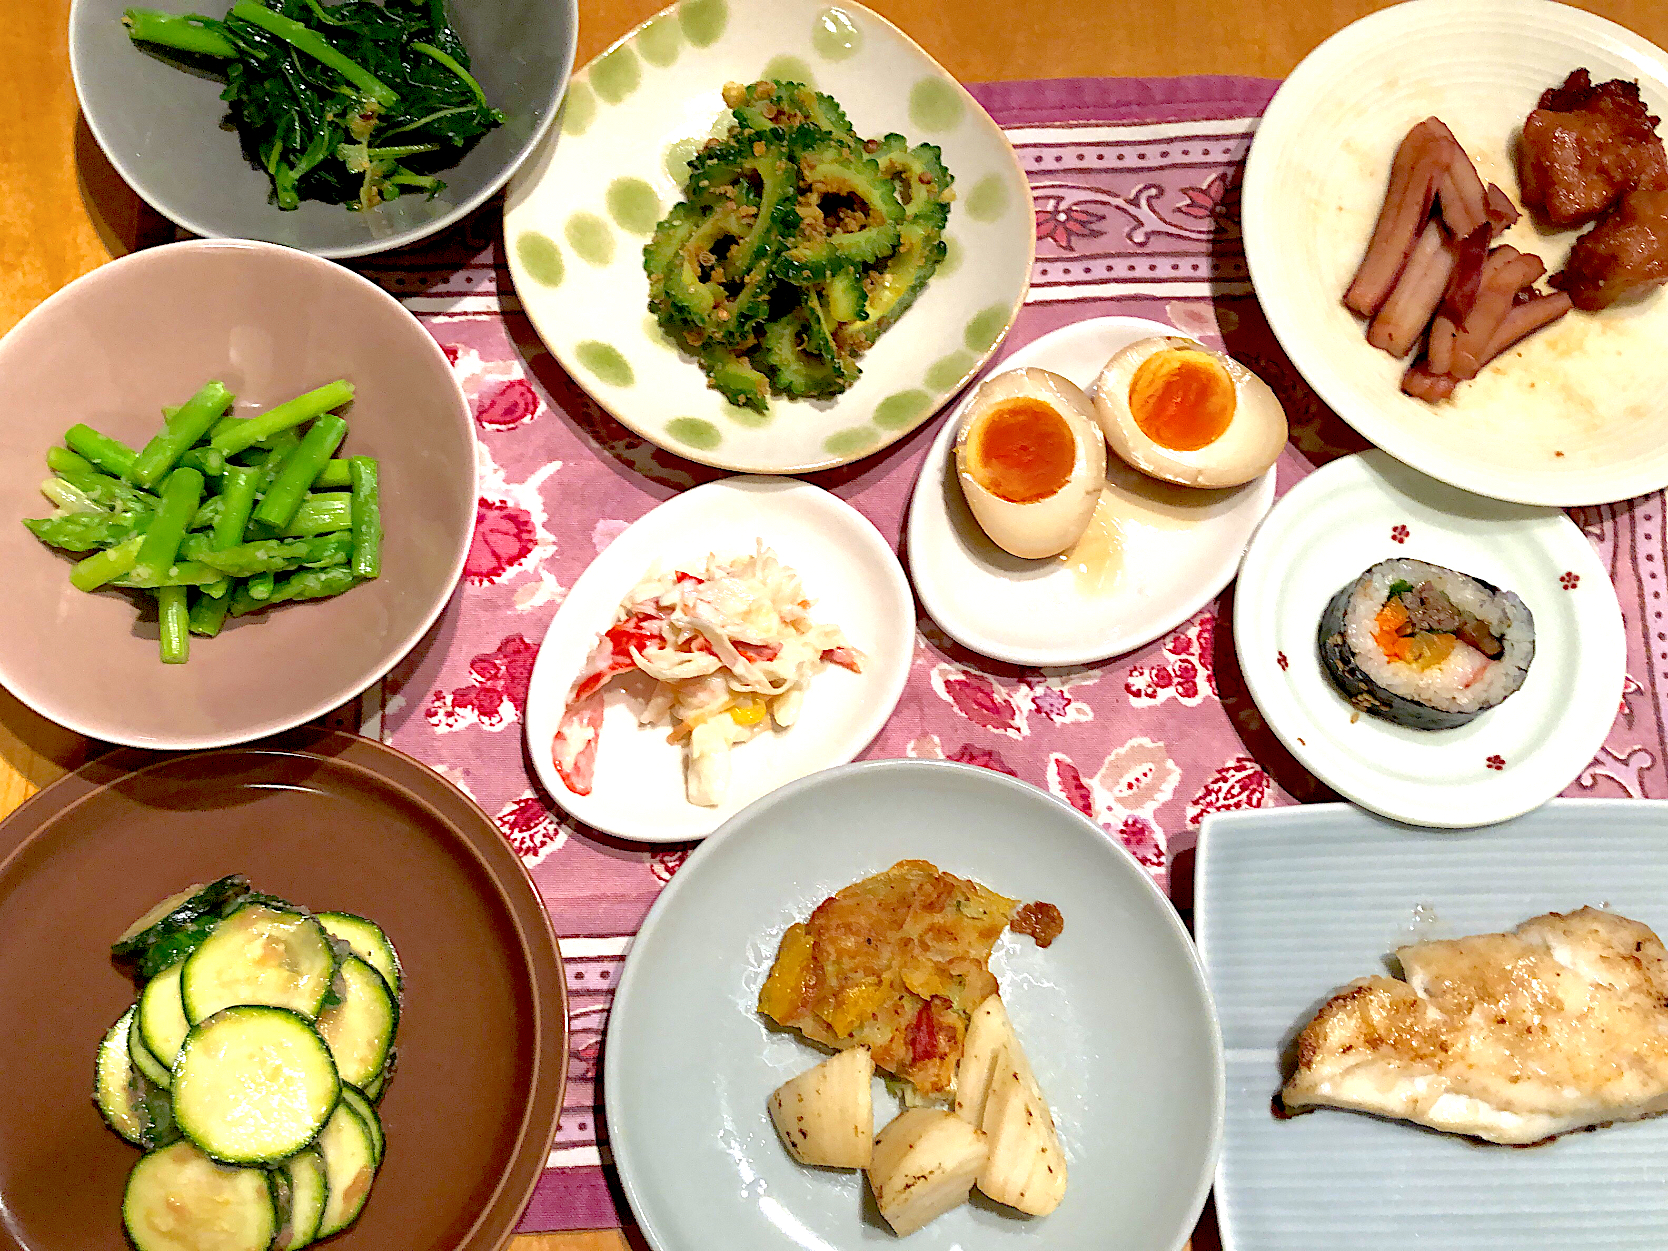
(826, 1115)
(997, 1091)
(924, 1164)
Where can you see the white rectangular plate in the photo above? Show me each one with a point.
(1293, 904)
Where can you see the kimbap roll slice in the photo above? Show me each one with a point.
(1425, 647)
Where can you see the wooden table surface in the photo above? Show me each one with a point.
(63, 210)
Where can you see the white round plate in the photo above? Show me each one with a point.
(581, 209)
(1574, 414)
(1173, 548)
(1362, 509)
(854, 581)
(1114, 1018)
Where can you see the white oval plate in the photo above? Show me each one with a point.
(639, 110)
(1362, 509)
(1114, 1017)
(1573, 415)
(1179, 546)
(848, 571)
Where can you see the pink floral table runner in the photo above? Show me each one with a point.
(1136, 189)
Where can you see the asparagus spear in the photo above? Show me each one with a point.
(367, 518)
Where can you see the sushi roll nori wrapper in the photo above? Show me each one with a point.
(1441, 697)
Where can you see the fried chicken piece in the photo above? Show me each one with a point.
(1586, 146)
(1624, 253)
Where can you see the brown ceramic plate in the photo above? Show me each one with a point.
(330, 821)
(115, 346)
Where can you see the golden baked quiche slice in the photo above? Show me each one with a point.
(896, 962)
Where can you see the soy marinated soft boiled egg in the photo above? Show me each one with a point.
(1031, 461)
(1176, 411)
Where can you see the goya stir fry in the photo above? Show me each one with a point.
(798, 244)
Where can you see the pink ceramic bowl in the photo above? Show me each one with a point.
(115, 346)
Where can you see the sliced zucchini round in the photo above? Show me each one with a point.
(179, 1200)
(253, 1084)
(118, 1089)
(161, 1021)
(349, 1167)
(361, 1107)
(172, 920)
(360, 1028)
(373, 1089)
(260, 954)
(299, 1191)
(368, 941)
(148, 1066)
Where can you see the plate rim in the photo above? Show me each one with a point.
(522, 281)
(462, 416)
(1255, 670)
(978, 776)
(370, 247)
(900, 585)
(1260, 209)
(495, 1223)
(938, 454)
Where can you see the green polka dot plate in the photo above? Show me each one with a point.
(586, 203)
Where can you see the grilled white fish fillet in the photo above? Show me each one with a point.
(1513, 1038)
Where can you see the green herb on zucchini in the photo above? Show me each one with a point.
(208, 537)
(235, 1070)
(797, 245)
(355, 103)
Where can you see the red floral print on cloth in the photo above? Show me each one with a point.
(1183, 672)
(663, 864)
(505, 538)
(1062, 226)
(1136, 830)
(513, 404)
(1139, 776)
(1216, 201)
(497, 690)
(980, 699)
(1066, 782)
(1145, 841)
(1240, 783)
(969, 754)
(532, 829)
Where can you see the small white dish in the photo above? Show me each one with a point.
(1113, 1015)
(581, 209)
(1295, 903)
(1572, 415)
(1154, 555)
(848, 571)
(1362, 509)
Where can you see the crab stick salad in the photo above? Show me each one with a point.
(732, 651)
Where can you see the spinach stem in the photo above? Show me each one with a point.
(428, 49)
(184, 33)
(315, 46)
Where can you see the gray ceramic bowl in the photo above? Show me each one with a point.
(113, 347)
(161, 127)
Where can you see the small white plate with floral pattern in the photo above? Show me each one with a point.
(1357, 511)
(581, 209)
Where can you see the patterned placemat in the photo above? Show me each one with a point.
(1136, 186)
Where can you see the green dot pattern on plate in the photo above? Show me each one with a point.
(952, 257)
(695, 432)
(851, 442)
(989, 199)
(605, 362)
(633, 204)
(578, 109)
(986, 327)
(835, 36)
(935, 104)
(703, 21)
(659, 40)
(945, 373)
(616, 75)
(657, 333)
(589, 236)
(897, 411)
(789, 69)
(540, 257)
(748, 417)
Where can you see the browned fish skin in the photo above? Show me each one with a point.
(1512, 1038)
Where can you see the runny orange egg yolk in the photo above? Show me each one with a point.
(1182, 399)
(1021, 450)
